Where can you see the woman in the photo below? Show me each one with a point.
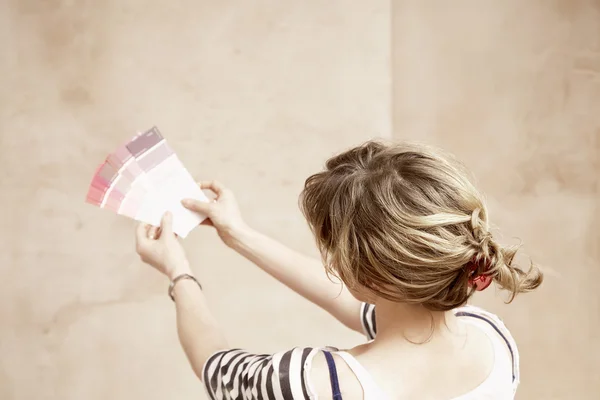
(407, 233)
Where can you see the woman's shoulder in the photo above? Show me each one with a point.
(496, 325)
(488, 319)
(287, 374)
(484, 318)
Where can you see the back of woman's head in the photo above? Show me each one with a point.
(405, 223)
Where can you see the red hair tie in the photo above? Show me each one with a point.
(482, 281)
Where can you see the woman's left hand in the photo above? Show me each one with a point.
(160, 248)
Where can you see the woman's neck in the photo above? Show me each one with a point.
(408, 322)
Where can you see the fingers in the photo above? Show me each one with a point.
(215, 186)
(198, 206)
(204, 207)
(210, 195)
(166, 224)
(154, 232)
(141, 235)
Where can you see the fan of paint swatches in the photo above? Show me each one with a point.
(143, 179)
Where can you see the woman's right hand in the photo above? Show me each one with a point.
(223, 213)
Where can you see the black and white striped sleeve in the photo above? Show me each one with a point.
(367, 319)
(237, 374)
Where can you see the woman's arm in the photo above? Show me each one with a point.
(198, 330)
(305, 275)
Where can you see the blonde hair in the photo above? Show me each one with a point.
(405, 223)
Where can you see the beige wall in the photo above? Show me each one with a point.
(257, 94)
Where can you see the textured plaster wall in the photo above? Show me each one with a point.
(258, 94)
(513, 88)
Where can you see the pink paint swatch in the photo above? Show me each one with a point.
(144, 178)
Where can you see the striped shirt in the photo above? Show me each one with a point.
(238, 374)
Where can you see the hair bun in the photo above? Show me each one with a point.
(402, 222)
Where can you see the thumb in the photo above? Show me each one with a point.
(166, 225)
(201, 207)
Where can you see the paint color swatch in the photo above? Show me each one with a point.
(143, 179)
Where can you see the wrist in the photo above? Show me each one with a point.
(183, 281)
(179, 269)
(239, 235)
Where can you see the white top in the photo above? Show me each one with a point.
(235, 373)
(502, 381)
(498, 385)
